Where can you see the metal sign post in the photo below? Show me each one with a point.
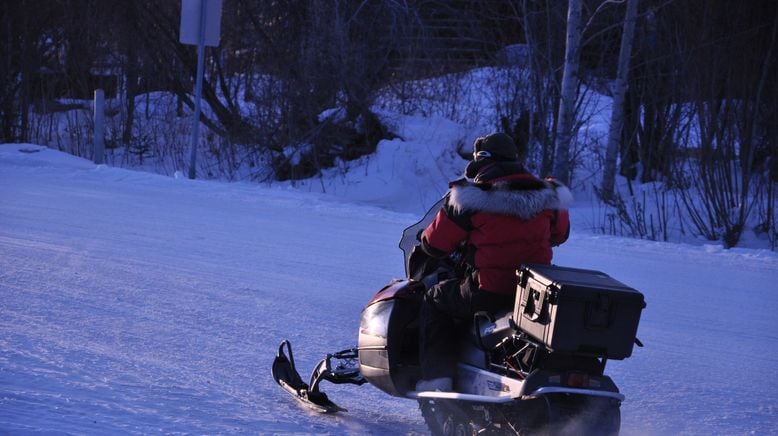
(200, 25)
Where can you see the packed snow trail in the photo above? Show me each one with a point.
(135, 303)
(138, 303)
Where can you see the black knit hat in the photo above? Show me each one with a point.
(497, 146)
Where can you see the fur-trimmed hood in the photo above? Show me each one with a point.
(522, 198)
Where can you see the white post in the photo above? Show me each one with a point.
(198, 88)
(99, 130)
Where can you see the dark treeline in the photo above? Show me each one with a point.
(291, 59)
(700, 109)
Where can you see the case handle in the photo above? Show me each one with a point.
(536, 306)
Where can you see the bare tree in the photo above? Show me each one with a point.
(728, 77)
(619, 93)
(546, 55)
(568, 92)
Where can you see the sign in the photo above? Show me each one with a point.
(200, 26)
(190, 22)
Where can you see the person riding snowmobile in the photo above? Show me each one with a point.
(495, 219)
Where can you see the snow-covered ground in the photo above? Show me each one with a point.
(143, 304)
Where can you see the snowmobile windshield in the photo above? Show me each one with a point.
(412, 235)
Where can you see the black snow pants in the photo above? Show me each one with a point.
(445, 316)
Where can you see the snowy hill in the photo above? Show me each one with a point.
(136, 303)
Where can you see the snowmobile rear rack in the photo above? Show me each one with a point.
(286, 375)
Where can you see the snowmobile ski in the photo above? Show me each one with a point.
(308, 394)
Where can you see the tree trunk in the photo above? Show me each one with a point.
(747, 160)
(619, 92)
(568, 92)
(131, 89)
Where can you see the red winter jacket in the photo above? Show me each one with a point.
(507, 217)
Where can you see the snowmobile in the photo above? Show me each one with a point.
(536, 368)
